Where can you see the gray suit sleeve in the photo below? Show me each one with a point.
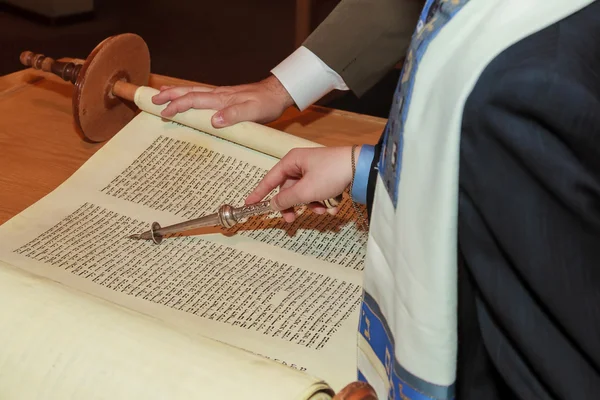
(362, 40)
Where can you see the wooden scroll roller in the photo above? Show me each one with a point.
(105, 84)
(356, 391)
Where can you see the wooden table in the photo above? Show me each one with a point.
(40, 146)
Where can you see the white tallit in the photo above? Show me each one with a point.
(411, 267)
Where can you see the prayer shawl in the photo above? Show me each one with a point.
(407, 342)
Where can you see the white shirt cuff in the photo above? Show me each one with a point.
(306, 77)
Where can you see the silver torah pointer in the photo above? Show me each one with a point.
(227, 216)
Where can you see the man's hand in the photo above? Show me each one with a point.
(306, 175)
(260, 102)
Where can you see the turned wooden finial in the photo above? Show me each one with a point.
(357, 391)
(104, 85)
(68, 71)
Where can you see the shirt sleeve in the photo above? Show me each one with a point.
(361, 174)
(307, 78)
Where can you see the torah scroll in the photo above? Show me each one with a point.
(87, 313)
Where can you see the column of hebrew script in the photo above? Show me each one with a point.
(199, 277)
(190, 181)
(221, 285)
(289, 292)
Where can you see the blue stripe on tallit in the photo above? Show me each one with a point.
(361, 377)
(373, 326)
(404, 385)
(435, 15)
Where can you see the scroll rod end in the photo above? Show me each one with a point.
(26, 58)
(68, 71)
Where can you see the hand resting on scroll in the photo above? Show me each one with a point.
(260, 102)
(306, 175)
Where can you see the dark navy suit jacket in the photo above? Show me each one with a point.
(529, 219)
